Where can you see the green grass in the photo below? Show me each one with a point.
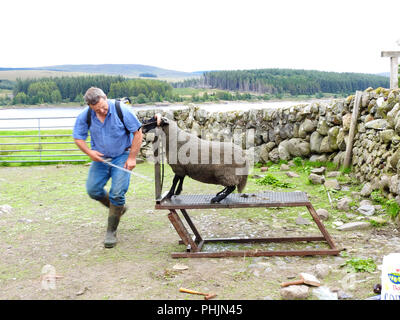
(4, 92)
(273, 181)
(361, 265)
(317, 194)
(34, 147)
(391, 206)
(189, 91)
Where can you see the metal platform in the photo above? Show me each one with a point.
(195, 243)
(236, 200)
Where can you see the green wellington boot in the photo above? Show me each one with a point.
(113, 220)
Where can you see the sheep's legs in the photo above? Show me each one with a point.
(174, 183)
(223, 194)
(179, 189)
(223, 190)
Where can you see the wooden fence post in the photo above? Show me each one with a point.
(353, 126)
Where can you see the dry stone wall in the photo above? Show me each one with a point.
(317, 131)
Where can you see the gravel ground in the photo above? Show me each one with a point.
(53, 225)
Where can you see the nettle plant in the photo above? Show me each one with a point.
(391, 206)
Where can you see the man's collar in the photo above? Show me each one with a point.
(109, 106)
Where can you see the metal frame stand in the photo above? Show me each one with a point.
(194, 243)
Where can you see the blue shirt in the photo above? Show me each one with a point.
(110, 137)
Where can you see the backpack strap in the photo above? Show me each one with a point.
(89, 117)
(120, 115)
(119, 112)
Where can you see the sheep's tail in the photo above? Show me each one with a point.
(242, 183)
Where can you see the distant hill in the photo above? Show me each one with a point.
(127, 70)
(13, 69)
(22, 73)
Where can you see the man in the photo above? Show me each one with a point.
(109, 139)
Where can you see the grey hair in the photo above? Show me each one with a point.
(93, 95)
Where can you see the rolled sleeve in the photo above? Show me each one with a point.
(131, 122)
(81, 127)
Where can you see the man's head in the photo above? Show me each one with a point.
(97, 100)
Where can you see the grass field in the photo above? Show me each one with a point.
(4, 92)
(188, 92)
(29, 147)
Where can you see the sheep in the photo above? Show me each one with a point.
(213, 162)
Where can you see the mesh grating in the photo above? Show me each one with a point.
(242, 199)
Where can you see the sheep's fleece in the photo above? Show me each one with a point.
(222, 163)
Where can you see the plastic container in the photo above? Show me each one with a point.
(391, 277)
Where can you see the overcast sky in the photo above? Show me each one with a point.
(187, 35)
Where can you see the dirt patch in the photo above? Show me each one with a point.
(53, 222)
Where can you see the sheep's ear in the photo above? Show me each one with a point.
(164, 121)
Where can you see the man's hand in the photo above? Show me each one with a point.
(130, 163)
(158, 118)
(136, 143)
(95, 155)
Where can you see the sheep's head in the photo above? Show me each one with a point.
(152, 124)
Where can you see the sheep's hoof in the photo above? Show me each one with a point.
(216, 199)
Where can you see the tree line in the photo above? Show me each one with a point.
(142, 90)
(59, 89)
(281, 81)
(6, 84)
(259, 84)
(72, 89)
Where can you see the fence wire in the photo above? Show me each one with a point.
(39, 140)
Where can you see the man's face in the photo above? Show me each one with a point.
(100, 107)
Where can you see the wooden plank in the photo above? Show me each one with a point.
(353, 126)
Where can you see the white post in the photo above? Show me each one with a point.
(394, 72)
(394, 67)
